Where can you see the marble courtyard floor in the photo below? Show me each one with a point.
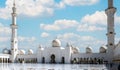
(17, 66)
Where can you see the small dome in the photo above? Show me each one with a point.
(22, 52)
(6, 51)
(40, 46)
(88, 50)
(103, 49)
(30, 51)
(75, 49)
(56, 43)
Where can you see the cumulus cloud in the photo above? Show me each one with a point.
(87, 23)
(4, 39)
(80, 2)
(5, 32)
(80, 41)
(27, 39)
(96, 21)
(99, 17)
(4, 29)
(44, 34)
(59, 25)
(90, 22)
(30, 8)
(40, 7)
(88, 28)
(75, 36)
(117, 19)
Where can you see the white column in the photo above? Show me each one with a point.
(110, 3)
(14, 40)
(2, 60)
(110, 11)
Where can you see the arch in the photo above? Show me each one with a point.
(43, 59)
(95, 60)
(63, 60)
(52, 59)
(75, 60)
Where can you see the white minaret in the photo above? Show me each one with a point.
(110, 11)
(14, 40)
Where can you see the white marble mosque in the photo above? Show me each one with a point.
(69, 54)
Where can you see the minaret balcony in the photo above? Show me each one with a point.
(14, 26)
(111, 33)
(110, 11)
(14, 14)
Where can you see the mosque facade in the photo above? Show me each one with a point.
(68, 54)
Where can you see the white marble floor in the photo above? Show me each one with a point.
(51, 67)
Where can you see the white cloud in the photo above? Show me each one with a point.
(75, 36)
(4, 13)
(27, 39)
(80, 2)
(117, 19)
(40, 7)
(97, 18)
(86, 27)
(94, 22)
(5, 32)
(30, 8)
(4, 39)
(49, 27)
(59, 25)
(44, 34)
(67, 35)
(4, 29)
(80, 41)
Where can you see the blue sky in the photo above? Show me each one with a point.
(79, 22)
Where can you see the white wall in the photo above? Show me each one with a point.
(59, 52)
(90, 55)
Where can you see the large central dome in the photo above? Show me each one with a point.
(56, 43)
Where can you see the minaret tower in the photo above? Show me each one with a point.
(110, 11)
(14, 40)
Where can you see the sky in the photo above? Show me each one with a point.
(81, 23)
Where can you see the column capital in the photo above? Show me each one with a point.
(14, 26)
(110, 11)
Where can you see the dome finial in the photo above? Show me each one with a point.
(14, 3)
(57, 37)
(68, 44)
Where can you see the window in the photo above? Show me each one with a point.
(111, 44)
(12, 41)
(111, 32)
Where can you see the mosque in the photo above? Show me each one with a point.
(68, 54)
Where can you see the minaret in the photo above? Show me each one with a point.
(14, 40)
(110, 11)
